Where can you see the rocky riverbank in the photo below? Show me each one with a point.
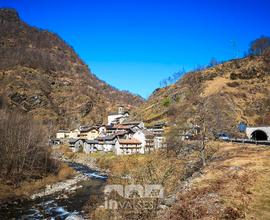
(58, 200)
(65, 187)
(84, 167)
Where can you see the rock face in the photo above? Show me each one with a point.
(225, 95)
(9, 15)
(40, 74)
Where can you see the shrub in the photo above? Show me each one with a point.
(65, 172)
(233, 84)
(233, 76)
(166, 102)
(232, 213)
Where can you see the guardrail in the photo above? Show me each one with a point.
(248, 141)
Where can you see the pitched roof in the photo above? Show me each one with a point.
(120, 133)
(106, 138)
(131, 122)
(117, 113)
(112, 137)
(123, 126)
(87, 128)
(73, 140)
(158, 125)
(63, 131)
(147, 132)
(110, 127)
(55, 139)
(129, 141)
(91, 141)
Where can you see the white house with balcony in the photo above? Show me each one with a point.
(128, 147)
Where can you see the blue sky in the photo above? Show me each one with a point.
(134, 44)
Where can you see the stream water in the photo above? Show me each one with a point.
(57, 206)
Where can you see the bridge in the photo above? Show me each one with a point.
(258, 133)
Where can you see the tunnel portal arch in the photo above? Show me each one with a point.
(259, 135)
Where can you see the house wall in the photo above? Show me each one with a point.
(150, 145)
(117, 149)
(102, 130)
(111, 118)
(60, 135)
(108, 147)
(86, 148)
(90, 148)
(120, 149)
(141, 125)
(158, 142)
(90, 135)
(122, 119)
(139, 135)
(93, 134)
(74, 133)
(77, 146)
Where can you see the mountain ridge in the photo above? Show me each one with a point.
(41, 74)
(226, 94)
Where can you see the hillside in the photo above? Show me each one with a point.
(233, 184)
(42, 75)
(226, 94)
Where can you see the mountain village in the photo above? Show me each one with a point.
(121, 136)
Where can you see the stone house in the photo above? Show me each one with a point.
(75, 144)
(74, 133)
(128, 147)
(159, 142)
(107, 143)
(91, 146)
(88, 133)
(62, 134)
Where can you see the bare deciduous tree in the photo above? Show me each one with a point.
(23, 146)
(260, 46)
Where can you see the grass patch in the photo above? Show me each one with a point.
(261, 193)
(166, 102)
(154, 168)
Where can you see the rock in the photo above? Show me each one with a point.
(163, 206)
(74, 217)
(17, 97)
(35, 101)
(235, 168)
(66, 185)
(87, 108)
(169, 201)
(9, 15)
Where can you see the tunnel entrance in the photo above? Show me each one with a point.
(259, 135)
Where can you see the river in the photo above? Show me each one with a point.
(59, 205)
